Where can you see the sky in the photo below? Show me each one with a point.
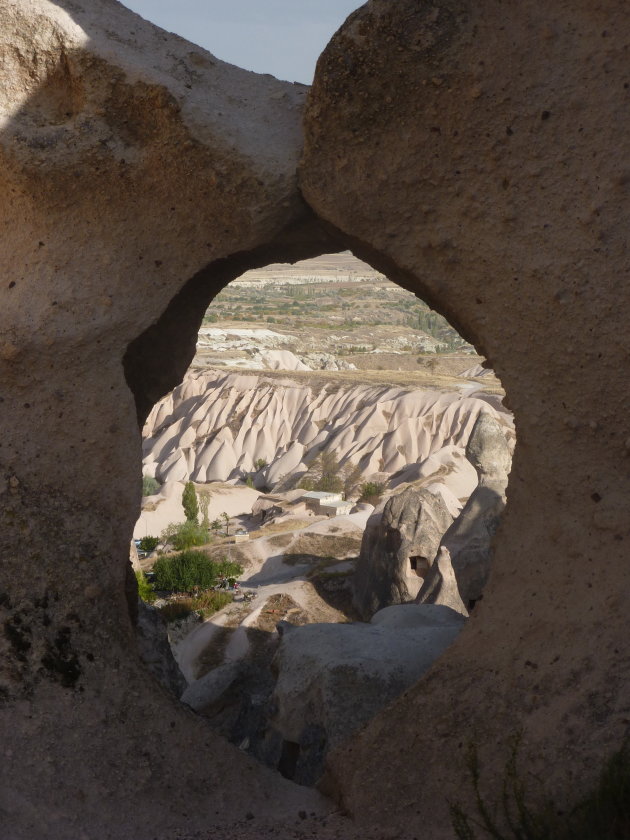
(281, 37)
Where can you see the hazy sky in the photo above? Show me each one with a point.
(282, 37)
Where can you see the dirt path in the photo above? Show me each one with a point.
(267, 575)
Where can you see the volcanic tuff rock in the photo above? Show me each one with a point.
(481, 159)
(397, 549)
(500, 197)
(440, 585)
(215, 426)
(332, 678)
(468, 540)
(155, 651)
(139, 174)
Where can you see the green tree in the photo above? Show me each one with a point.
(260, 463)
(351, 476)
(149, 485)
(190, 570)
(215, 525)
(323, 474)
(145, 590)
(189, 502)
(226, 518)
(204, 504)
(182, 535)
(148, 543)
(371, 492)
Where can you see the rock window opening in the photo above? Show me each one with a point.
(419, 565)
(329, 471)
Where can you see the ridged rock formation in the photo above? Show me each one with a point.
(215, 426)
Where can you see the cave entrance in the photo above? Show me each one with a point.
(322, 399)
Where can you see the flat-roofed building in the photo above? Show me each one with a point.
(338, 508)
(314, 499)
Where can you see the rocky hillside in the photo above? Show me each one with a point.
(219, 426)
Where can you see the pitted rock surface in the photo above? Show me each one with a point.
(479, 158)
(139, 175)
(467, 544)
(476, 157)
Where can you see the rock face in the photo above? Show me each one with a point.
(398, 549)
(333, 678)
(155, 651)
(468, 540)
(501, 197)
(440, 585)
(139, 174)
(215, 426)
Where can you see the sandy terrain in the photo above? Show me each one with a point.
(166, 506)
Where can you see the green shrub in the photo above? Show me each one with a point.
(324, 473)
(205, 605)
(148, 543)
(371, 491)
(210, 602)
(149, 485)
(145, 590)
(190, 570)
(185, 535)
(184, 571)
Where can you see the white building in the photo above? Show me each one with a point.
(326, 503)
(337, 508)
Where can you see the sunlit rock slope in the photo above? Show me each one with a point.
(216, 426)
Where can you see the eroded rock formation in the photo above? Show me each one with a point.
(139, 174)
(215, 426)
(333, 678)
(476, 157)
(398, 548)
(469, 539)
(480, 158)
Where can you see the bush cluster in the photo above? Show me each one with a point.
(149, 485)
(190, 570)
(148, 543)
(371, 491)
(205, 604)
(185, 535)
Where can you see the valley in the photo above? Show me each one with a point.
(336, 430)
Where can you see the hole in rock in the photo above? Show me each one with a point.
(419, 565)
(289, 759)
(329, 473)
